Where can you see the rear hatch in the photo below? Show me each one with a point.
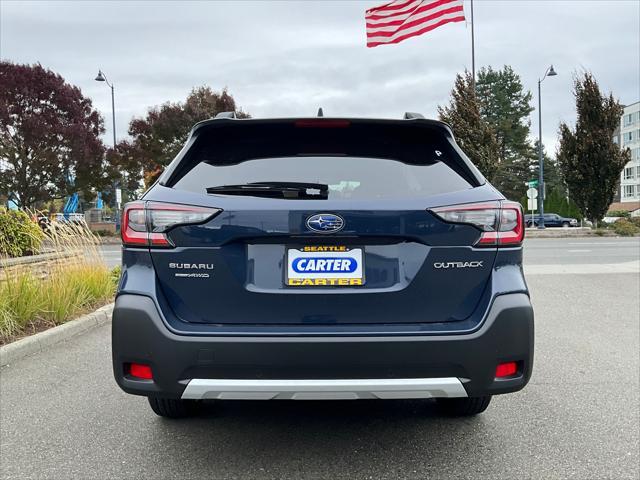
(320, 222)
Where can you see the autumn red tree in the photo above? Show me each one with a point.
(49, 137)
(158, 137)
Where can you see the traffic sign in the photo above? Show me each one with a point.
(532, 183)
(532, 193)
(532, 204)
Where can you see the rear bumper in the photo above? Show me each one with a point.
(416, 366)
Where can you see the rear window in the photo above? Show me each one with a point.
(347, 177)
(359, 161)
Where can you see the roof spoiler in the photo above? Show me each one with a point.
(407, 115)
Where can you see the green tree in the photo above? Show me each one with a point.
(552, 175)
(157, 138)
(473, 134)
(505, 105)
(589, 159)
(557, 202)
(49, 137)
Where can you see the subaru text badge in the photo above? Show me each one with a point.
(325, 223)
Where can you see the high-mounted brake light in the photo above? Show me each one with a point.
(501, 223)
(147, 223)
(321, 123)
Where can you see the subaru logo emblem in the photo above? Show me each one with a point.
(325, 223)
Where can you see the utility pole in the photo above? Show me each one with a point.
(473, 51)
(550, 72)
(101, 77)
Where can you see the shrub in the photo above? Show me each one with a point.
(66, 292)
(8, 322)
(116, 272)
(605, 225)
(104, 233)
(625, 228)
(600, 232)
(70, 290)
(618, 213)
(19, 235)
(23, 296)
(63, 287)
(635, 221)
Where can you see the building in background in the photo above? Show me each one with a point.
(628, 136)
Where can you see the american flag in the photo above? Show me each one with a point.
(402, 19)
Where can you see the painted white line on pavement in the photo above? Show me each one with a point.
(578, 251)
(630, 243)
(583, 269)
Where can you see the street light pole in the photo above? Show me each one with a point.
(473, 53)
(550, 72)
(101, 77)
(113, 115)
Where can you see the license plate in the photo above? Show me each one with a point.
(324, 266)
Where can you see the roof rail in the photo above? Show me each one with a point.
(412, 115)
(225, 115)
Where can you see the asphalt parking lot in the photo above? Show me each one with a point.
(62, 415)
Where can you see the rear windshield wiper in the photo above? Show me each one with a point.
(288, 190)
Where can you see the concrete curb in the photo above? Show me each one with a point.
(567, 233)
(110, 240)
(43, 340)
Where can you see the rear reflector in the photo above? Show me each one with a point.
(139, 370)
(501, 223)
(508, 369)
(146, 223)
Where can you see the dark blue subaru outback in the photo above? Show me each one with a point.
(322, 258)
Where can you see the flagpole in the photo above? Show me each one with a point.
(473, 50)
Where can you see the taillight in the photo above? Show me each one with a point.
(134, 225)
(146, 223)
(501, 223)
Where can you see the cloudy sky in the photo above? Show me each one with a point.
(287, 58)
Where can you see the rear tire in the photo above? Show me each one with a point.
(171, 407)
(464, 407)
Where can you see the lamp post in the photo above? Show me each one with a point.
(550, 72)
(101, 77)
